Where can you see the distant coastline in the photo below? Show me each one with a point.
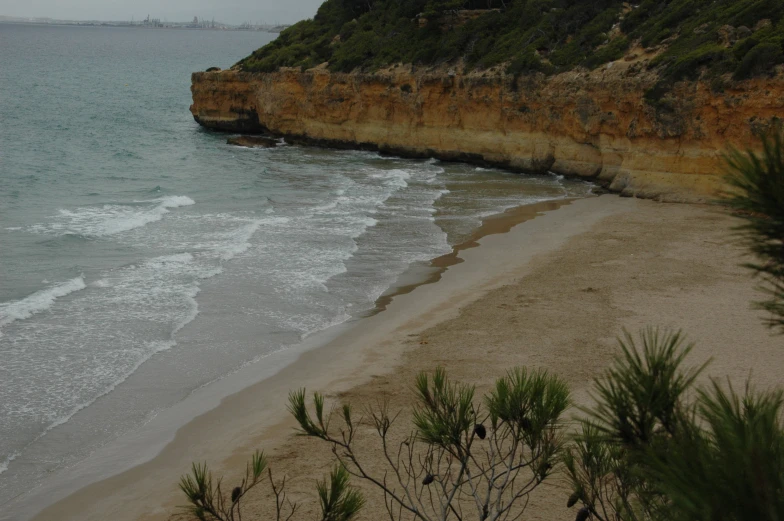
(148, 23)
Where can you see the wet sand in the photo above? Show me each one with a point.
(552, 292)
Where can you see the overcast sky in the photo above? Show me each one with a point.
(230, 11)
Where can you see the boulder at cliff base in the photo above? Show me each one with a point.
(252, 141)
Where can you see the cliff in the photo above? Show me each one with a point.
(595, 125)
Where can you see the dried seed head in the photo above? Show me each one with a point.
(480, 431)
(235, 494)
(572, 500)
(582, 514)
(428, 479)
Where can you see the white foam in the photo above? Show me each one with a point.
(8, 460)
(227, 245)
(153, 272)
(110, 219)
(393, 178)
(159, 346)
(241, 243)
(330, 205)
(193, 311)
(166, 260)
(39, 301)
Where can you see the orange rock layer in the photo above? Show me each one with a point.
(595, 125)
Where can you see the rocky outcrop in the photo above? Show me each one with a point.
(595, 125)
(252, 141)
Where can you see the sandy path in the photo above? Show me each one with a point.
(554, 292)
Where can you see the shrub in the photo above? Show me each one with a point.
(649, 451)
(379, 33)
(339, 501)
(651, 448)
(758, 198)
(457, 452)
(608, 53)
(761, 58)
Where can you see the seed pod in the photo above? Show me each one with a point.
(428, 479)
(525, 423)
(572, 500)
(235, 494)
(480, 431)
(583, 514)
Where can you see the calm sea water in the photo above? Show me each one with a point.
(141, 257)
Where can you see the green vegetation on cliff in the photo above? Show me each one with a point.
(742, 37)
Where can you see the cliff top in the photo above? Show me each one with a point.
(689, 38)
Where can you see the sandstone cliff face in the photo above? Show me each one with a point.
(594, 125)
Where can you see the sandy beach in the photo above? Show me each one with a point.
(553, 291)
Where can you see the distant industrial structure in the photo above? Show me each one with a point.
(155, 23)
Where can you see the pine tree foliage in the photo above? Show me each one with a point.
(655, 448)
(207, 500)
(339, 501)
(758, 180)
(459, 460)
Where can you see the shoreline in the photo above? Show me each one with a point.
(553, 292)
(147, 441)
(494, 224)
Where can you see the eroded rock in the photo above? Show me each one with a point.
(597, 124)
(252, 141)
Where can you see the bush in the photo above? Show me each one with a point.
(651, 448)
(339, 501)
(458, 453)
(761, 58)
(648, 451)
(379, 33)
(758, 198)
(608, 53)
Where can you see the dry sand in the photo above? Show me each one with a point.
(554, 292)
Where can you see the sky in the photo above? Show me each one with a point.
(228, 11)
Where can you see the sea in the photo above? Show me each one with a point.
(143, 258)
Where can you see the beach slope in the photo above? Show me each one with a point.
(553, 292)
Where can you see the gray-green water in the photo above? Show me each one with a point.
(141, 257)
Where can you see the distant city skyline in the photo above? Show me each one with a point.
(227, 11)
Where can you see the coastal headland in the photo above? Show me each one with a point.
(644, 100)
(593, 124)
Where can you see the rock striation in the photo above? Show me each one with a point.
(592, 124)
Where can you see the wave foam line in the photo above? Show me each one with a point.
(39, 301)
(8, 460)
(110, 219)
(243, 235)
(158, 346)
